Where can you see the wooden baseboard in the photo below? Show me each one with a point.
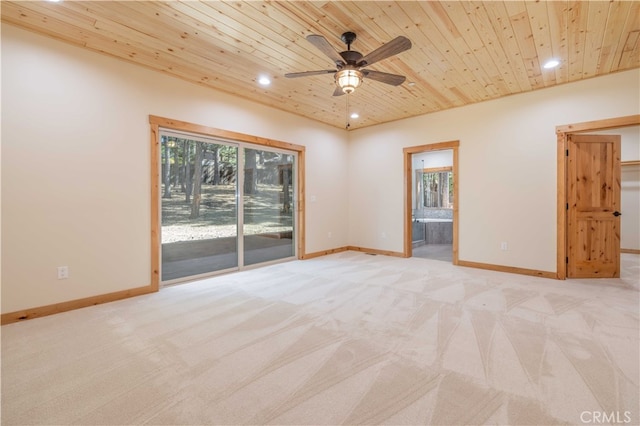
(376, 251)
(631, 251)
(352, 248)
(56, 308)
(509, 269)
(323, 253)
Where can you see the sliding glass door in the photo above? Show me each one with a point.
(199, 205)
(268, 219)
(215, 219)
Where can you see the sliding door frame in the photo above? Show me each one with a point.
(210, 132)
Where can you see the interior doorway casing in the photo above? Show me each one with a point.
(562, 133)
(408, 192)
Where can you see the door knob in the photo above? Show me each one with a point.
(616, 213)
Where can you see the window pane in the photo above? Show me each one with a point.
(268, 206)
(438, 189)
(199, 213)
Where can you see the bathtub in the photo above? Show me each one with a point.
(431, 231)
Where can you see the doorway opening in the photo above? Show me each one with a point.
(431, 208)
(583, 246)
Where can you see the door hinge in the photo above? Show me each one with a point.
(566, 259)
(567, 206)
(567, 152)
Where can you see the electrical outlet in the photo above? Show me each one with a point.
(63, 272)
(329, 234)
(383, 235)
(503, 246)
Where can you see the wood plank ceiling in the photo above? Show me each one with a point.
(463, 52)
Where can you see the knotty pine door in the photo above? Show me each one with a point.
(593, 204)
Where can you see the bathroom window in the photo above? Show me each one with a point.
(437, 187)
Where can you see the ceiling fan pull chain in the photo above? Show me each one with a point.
(346, 114)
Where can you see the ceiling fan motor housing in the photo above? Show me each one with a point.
(348, 38)
(351, 57)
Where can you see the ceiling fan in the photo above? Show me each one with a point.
(351, 64)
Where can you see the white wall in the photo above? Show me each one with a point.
(630, 141)
(630, 187)
(630, 208)
(75, 166)
(432, 159)
(507, 162)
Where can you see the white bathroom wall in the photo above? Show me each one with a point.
(507, 161)
(432, 159)
(76, 166)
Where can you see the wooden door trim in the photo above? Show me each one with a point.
(167, 123)
(407, 152)
(562, 133)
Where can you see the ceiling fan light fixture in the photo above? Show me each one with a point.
(349, 80)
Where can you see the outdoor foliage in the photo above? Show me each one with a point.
(199, 190)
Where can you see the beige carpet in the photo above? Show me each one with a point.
(343, 339)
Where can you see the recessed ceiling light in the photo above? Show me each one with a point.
(412, 83)
(551, 63)
(355, 115)
(265, 81)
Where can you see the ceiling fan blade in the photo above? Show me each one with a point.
(308, 73)
(384, 77)
(338, 92)
(395, 46)
(323, 45)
